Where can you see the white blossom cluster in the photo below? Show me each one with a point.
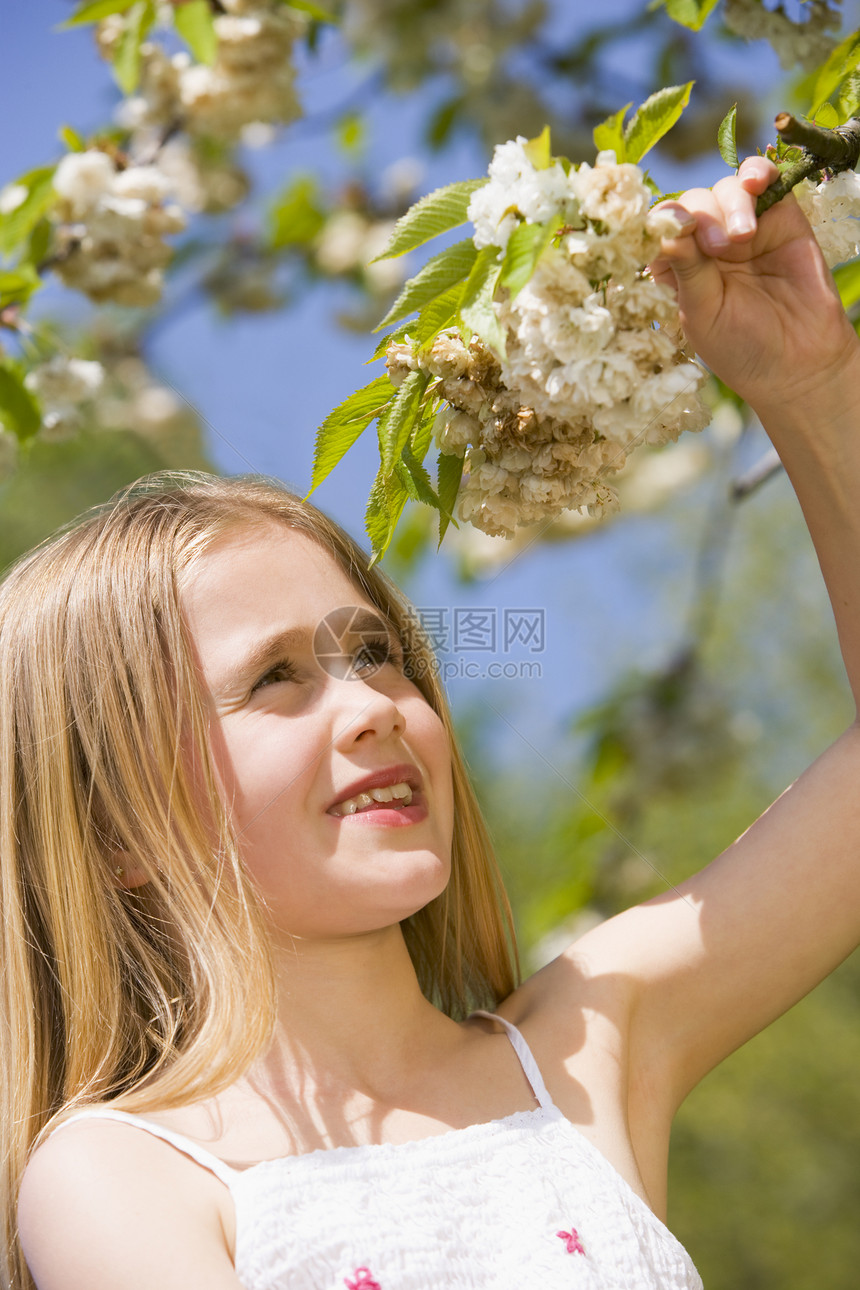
(833, 209)
(252, 79)
(66, 389)
(111, 228)
(807, 43)
(120, 394)
(593, 366)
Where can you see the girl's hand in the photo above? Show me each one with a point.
(757, 301)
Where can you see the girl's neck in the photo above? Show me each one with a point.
(351, 1013)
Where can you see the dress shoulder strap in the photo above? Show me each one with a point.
(203, 1157)
(527, 1061)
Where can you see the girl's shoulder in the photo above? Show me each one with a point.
(103, 1204)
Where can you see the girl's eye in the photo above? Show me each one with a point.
(283, 671)
(379, 650)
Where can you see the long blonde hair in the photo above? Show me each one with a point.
(165, 994)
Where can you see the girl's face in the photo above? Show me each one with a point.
(299, 719)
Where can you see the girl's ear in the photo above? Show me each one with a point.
(126, 874)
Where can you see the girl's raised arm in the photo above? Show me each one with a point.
(104, 1206)
(707, 966)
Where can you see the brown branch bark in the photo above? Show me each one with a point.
(821, 149)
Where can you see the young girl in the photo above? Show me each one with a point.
(252, 931)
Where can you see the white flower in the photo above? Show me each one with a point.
(833, 209)
(11, 197)
(65, 380)
(146, 183)
(83, 178)
(516, 191)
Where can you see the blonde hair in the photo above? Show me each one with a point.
(164, 994)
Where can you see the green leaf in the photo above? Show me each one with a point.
(423, 330)
(849, 97)
(19, 411)
(843, 60)
(655, 118)
(296, 216)
(312, 10)
(400, 418)
(195, 23)
(727, 137)
(39, 242)
(690, 13)
(350, 133)
(95, 10)
(416, 480)
(423, 432)
(609, 135)
(827, 116)
(449, 472)
(440, 313)
(345, 423)
(847, 278)
(17, 285)
(441, 272)
(538, 150)
(19, 223)
(71, 139)
(126, 59)
(387, 499)
(477, 310)
(436, 213)
(525, 247)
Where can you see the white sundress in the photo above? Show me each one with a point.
(521, 1203)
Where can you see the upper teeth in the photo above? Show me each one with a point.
(357, 803)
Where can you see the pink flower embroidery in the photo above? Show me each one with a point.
(363, 1281)
(572, 1243)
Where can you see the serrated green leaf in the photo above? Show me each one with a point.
(196, 25)
(387, 499)
(17, 285)
(847, 278)
(19, 223)
(19, 410)
(416, 480)
(609, 135)
(314, 11)
(296, 216)
(449, 472)
(538, 150)
(438, 314)
(95, 10)
(422, 435)
(727, 137)
(439, 211)
(843, 60)
(655, 118)
(690, 13)
(477, 310)
(444, 270)
(827, 116)
(849, 97)
(71, 139)
(525, 247)
(126, 59)
(400, 418)
(399, 334)
(345, 424)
